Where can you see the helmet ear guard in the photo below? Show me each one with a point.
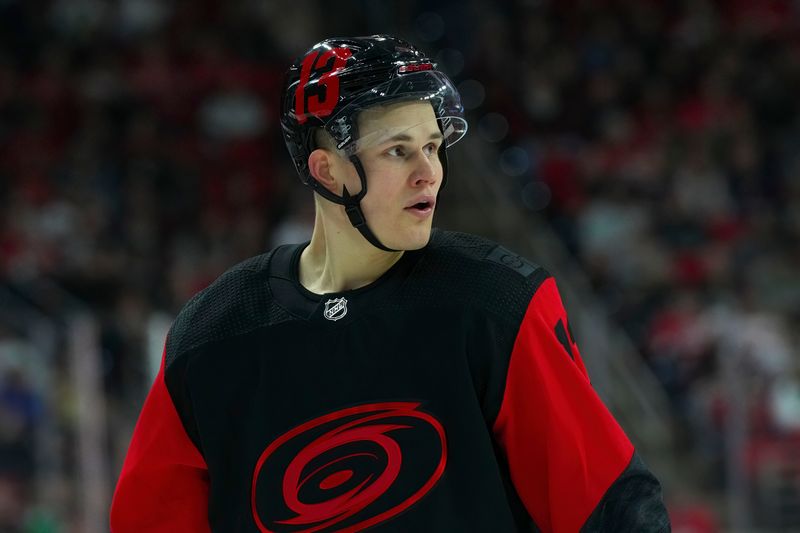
(336, 80)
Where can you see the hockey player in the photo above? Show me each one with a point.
(384, 376)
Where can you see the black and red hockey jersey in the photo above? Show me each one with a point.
(447, 396)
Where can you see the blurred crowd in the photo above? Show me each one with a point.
(140, 156)
(662, 141)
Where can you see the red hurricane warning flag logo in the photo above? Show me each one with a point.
(348, 470)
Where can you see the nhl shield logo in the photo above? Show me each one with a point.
(335, 309)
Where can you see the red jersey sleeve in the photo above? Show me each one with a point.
(163, 486)
(564, 448)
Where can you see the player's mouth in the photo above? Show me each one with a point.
(422, 206)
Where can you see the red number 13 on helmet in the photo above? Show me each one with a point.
(328, 62)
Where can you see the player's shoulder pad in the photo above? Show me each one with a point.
(479, 272)
(236, 302)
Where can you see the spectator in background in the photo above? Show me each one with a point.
(20, 410)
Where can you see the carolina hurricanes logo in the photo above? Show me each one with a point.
(348, 470)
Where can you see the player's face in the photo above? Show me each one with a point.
(403, 172)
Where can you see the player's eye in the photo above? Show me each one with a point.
(396, 151)
(431, 149)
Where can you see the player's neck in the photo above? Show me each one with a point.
(341, 259)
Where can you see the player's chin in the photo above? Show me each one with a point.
(411, 239)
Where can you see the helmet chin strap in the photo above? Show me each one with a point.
(352, 204)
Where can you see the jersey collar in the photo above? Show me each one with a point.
(289, 292)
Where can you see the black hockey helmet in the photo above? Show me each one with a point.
(328, 86)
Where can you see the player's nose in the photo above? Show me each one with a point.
(426, 169)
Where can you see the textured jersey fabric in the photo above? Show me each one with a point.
(448, 395)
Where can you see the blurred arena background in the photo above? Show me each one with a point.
(648, 153)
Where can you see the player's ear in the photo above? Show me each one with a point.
(321, 164)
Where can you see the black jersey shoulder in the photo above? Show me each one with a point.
(464, 269)
(238, 301)
(481, 249)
